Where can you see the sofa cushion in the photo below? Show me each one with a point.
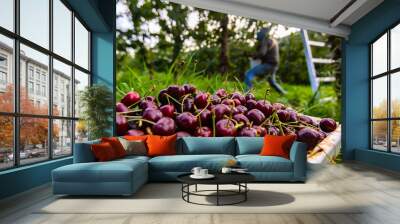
(132, 159)
(277, 145)
(161, 145)
(185, 163)
(103, 152)
(208, 145)
(134, 147)
(257, 163)
(112, 171)
(116, 145)
(249, 145)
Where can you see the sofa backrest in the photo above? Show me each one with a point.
(249, 145)
(206, 145)
(83, 153)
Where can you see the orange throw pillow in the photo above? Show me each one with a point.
(116, 145)
(277, 145)
(161, 145)
(103, 152)
(135, 138)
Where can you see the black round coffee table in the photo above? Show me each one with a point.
(238, 179)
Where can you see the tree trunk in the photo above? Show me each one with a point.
(223, 58)
(178, 44)
(143, 52)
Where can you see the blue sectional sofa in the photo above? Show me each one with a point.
(125, 176)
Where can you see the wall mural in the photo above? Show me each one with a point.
(193, 72)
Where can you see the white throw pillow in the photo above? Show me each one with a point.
(134, 147)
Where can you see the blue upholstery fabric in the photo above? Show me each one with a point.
(249, 145)
(128, 159)
(298, 155)
(257, 163)
(118, 177)
(210, 145)
(126, 175)
(184, 163)
(83, 152)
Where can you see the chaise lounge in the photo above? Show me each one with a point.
(125, 176)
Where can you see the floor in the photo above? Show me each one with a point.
(379, 189)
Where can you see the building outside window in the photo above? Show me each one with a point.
(3, 72)
(30, 72)
(38, 89)
(3, 80)
(38, 75)
(44, 91)
(30, 87)
(385, 95)
(43, 78)
(57, 123)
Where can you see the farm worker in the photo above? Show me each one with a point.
(268, 54)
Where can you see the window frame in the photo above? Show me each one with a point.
(388, 74)
(16, 114)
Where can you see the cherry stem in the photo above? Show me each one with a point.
(127, 116)
(308, 125)
(131, 111)
(141, 119)
(169, 96)
(133, 105)
(239, 125)
(266, 93)
(265, 121)
(202, 110)
(213, 123)
(148, 129)
(278, 122)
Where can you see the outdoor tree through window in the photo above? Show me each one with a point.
(385, 97)
(39, 124)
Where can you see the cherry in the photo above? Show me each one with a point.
(168, 110)
(120, 107)
(256, 116)
(130, 98)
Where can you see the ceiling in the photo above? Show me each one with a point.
(328, 16)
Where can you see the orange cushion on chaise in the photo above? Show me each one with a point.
(161, 145)
(103, 152)
(277, 145)
(136, 138)
(116, 145)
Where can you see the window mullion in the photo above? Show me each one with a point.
(19, 44)
(16, 85)
(73, 82)
(50, 81)
(371, 140)
(389, 104)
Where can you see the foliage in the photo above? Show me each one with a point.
(300, 97)
(214, 53)
(221, 43)
(33, 131)
(96, 102)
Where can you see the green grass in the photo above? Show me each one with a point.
(299, 97)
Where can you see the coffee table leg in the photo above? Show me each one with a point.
(195, 188)
(217, 194)
(188, 189)
(245, 193)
